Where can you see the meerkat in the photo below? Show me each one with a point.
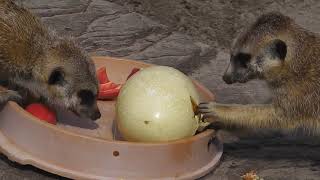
(275, 49)
(47, 66)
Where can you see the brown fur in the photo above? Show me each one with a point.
(295, 81)
(30, 53)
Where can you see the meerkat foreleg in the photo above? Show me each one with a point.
(248, 116)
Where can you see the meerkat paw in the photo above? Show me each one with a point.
(207, 109)
(9, 95)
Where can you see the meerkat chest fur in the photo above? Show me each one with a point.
(298, 93)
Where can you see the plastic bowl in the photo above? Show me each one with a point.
(81, 149)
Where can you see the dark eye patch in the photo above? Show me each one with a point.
(56, 77)
(242, 59)
(86, 97)
(280, 49)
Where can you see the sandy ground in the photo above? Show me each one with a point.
(192, 36)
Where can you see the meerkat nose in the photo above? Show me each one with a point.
(96, 115)
(227, 79)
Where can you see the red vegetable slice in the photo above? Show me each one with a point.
(42, 112)
(107, 86)
(108, 89)
(109, 94)
(134, 70)
(102, 75)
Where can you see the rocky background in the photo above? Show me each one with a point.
(193, 36)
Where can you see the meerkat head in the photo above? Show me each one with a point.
(260, 51)
(67, 78)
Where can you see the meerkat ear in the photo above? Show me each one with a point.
(56, 77)
(279, 49)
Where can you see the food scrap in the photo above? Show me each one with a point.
(42, 112)
(109, 90)
(251, 176)
(102, 75)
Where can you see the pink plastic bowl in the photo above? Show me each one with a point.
(82, 149)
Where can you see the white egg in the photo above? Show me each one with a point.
(156, 104)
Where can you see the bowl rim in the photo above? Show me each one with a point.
(26, 115)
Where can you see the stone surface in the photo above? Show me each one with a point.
(193, 36)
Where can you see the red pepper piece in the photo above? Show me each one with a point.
(107, 89)
(109, 94)
(107, 86)
(102, 75)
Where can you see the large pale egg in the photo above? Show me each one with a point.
(157, 104)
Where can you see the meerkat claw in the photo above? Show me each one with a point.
(14, 96)
(207, 117)
(205, 107)
(10, 95)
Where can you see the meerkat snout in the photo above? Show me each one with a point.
(238, 70)
(87, 107)
(227, 76)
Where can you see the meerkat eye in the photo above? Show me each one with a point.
(56, 77)
(242, 59)
(86, 97)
